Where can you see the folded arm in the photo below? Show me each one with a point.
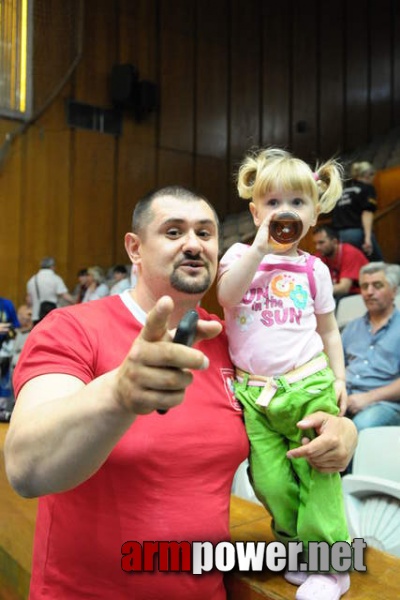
(360, 400)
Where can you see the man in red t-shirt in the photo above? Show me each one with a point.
(344, 261)
(86, 436)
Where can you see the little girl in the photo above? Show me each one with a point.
(286, 346)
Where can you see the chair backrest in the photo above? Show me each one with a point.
(377, 453)
(349, 308)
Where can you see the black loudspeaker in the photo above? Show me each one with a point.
(128, 92)
(124, 79)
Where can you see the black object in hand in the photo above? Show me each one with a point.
(185, 334)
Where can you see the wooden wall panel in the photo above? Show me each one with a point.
(212, 76)
(136, 154)
(177, 74)
(57, 40)
(92, 215)
(100, 53)
(331, 80)
(11, 216)
(211, 176)
(357, 56)
(245, 99)
(137, 34)
(135, 178)
(381, 66)
(276, 112)
(175, 168)
(45, 200)
(304, 90)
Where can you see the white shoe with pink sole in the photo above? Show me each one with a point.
(330, 586)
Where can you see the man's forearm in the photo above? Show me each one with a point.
(55, 445)
(387, 393)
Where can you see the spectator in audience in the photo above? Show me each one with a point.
(372, 351)
(353, 215)
(121, 280)
(81, 287)
(24, 314)
(96, 286)
(8, 326)
(46, 287)
(344, 261)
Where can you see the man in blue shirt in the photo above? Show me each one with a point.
(8, 323)
(372, 351)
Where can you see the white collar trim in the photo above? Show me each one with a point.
(133, 307)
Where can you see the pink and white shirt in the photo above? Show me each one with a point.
(273, 328)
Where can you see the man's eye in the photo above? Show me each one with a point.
(204, 234)
(173, 233)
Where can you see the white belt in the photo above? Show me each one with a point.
(270, 384)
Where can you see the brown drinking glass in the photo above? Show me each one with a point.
(286, 228)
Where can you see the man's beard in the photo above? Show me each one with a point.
(190, 285)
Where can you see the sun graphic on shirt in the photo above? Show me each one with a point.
(282, 285)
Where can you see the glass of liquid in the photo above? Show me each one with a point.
(285, 228)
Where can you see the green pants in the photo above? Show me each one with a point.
(305, 505)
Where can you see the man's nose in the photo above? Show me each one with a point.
(191, 242)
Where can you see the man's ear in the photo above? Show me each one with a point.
(132, 247)
(254, 213)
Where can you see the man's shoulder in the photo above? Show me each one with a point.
(104, 304)
(349, 249)
(396, 317)
(358, 324)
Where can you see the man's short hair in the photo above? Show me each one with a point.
(142, 211)
(120, 269)
(330, 231)
(47, 262)
(390, 271)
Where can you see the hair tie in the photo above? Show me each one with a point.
(316, 176)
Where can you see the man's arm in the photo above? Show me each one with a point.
(68, 298)
(343, 287)
(388, 393)
(62, 430)
(367, 219)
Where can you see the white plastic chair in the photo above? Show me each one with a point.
(241, 484)
(372, 491)
(349, 308)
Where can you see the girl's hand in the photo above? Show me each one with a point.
(341, 395)
(262, 240)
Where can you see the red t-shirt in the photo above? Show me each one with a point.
(346, 265)
(167, 479)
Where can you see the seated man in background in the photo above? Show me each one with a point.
(344, 261)
(372, 351)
